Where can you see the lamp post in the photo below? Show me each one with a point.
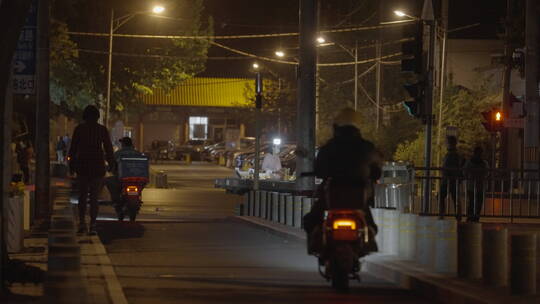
(157, 9)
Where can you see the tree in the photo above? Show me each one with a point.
(70, 85)
(279, 107)
(462, 109)
(139, 65)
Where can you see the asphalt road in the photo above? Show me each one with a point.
(198, 254)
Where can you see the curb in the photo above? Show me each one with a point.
(432, 286)
(116, 293)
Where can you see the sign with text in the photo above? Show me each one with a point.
(24, 59)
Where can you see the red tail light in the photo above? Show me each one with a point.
(344, 225)
(132, 190)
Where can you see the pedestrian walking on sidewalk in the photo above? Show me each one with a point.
(450, 178)
(60, 150)
(476, 170)
(90, 147)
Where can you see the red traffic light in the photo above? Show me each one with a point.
(494, 120)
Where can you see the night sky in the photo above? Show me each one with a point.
(250, 17)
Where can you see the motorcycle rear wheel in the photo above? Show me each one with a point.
(340, 278)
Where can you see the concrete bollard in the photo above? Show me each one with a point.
(523, 264)
(407, 236)
(289, 216)
(297, 211)
(470, 250)
(495, 257)
(391, 231)
(282, 208)
(377, 217)
(307, 202)
(251, 203)
(264, 204)
(425, 241)
(275, 207)
(257, 209)
(446, 246)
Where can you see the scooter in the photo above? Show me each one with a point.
(345, 239)
(131, 198)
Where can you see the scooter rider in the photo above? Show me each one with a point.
(348, 165)
(113, 182)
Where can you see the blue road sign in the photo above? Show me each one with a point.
(24, 59)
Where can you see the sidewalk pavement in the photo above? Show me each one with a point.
(407, 274)
(100, 284)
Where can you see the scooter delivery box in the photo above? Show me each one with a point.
(133, 167)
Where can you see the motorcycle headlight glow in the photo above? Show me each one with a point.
(344, 224)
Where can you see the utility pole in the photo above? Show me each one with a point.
(531, 87)
(109, 69)
(507, 135)
(306, 95)
(378, 80)
(356, 75)
(258, 106)
(429, 19)
(42, 112)
(442, 75)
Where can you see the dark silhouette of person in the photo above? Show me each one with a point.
(90, 147)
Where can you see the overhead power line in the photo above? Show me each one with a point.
(217, 37)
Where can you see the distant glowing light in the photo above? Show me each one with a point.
(255, 65)
(498, 116)
(280, 53)
(321, 40)
(400, 13)
(158, 9)
(277, 141)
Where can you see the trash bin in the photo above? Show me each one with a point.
(14, 216)
(394, 189)
(161, 180)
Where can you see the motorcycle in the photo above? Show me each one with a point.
(345, 239)
(131, 197)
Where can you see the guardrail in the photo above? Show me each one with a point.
(499, 193)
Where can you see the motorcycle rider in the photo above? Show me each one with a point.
(348, 165)
(113, 182)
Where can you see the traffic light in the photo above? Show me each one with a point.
(494, 120)
(412, 61)
(416, 106)
(412, 50)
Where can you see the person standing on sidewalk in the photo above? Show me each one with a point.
(90, 147)
(450, 178)
(60, 150)
(476, 170)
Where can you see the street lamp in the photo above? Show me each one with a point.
(255, 66)
(401, 13)
(157, 9)
(280, 53)
(321, 40)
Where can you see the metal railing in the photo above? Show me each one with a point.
(494, 193)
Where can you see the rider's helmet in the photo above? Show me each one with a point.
(348, 117)
(126, 141)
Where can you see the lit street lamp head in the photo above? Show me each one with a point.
(400, 13)
(321, 40)
(158, 9)
(255, 66)
(280, 53)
